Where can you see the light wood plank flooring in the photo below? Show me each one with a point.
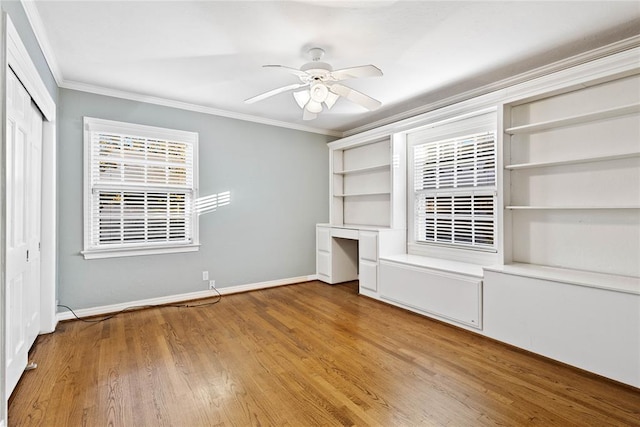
(301, 355)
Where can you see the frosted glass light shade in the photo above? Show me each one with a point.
(302, 97)
(314, 107)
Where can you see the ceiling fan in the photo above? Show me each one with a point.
(319, 81)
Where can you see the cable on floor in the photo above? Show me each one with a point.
(140, 307)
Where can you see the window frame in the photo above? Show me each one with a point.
(94, 125)
(470, 124)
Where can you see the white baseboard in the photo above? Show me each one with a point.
(113, 308)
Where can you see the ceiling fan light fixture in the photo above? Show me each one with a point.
(319, 84)
(331, 99)
(318, 92)
(302, 97)
(314, 106)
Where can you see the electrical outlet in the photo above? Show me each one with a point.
(212, 284)
(205, 275)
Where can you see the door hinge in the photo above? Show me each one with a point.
(27, 255)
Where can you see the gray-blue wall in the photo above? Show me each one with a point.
(278, 180)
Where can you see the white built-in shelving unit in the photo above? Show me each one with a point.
(572, 175)
(565, 280)
(362, 189)
(367, 210)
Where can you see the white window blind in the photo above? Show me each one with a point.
(141, 188)
(455, 191)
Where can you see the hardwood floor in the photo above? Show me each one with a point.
(301, 355)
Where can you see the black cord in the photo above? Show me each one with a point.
(140, 307)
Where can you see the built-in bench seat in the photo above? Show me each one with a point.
(445, 289)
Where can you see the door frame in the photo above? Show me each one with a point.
(14, 54)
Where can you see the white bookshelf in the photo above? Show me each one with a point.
(575, 161)
(363, 176)
(575, 120)
(572, 179)
(373, 168)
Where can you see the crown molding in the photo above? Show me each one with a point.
(620, 64)
(37, 25)
(38, 28)
(572, 61)
(33, 16)
(100, 90)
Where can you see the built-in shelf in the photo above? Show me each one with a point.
(581, 118)
(380, 193)
(571, 161)
(562, 208)
(363, 170)
(590, 279)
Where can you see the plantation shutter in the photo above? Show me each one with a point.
(142, 191)
(454, 191)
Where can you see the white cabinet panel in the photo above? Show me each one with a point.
(593, 329)
(324, 239)
(369, 245)
(324, 263)
(368, 275)
(450, 296)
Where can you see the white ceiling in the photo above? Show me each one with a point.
(210, 53)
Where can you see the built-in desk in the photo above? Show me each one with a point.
(345, 253)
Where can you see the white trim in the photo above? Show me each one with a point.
(137, 251)
(49, 230)
(621, 62)
(38, 28)
(19, 60)
(113, 308)
(31, 10)
(468, 124)
(3, 209)
(91, 125)
(573, 61)
(35, 21)
(99, 90)
(579, 59)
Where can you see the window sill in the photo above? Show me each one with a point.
(126, 252)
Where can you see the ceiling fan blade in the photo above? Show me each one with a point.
(275, 92)
(290, 70)
(355, 72)
(355, 96)
(308, 115)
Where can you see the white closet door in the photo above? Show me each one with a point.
(23, 181)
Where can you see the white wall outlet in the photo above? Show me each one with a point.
(205, 275)
(212, 284)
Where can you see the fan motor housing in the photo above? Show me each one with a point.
(319, 70)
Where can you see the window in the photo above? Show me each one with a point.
(454, 184)
(140, 187)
